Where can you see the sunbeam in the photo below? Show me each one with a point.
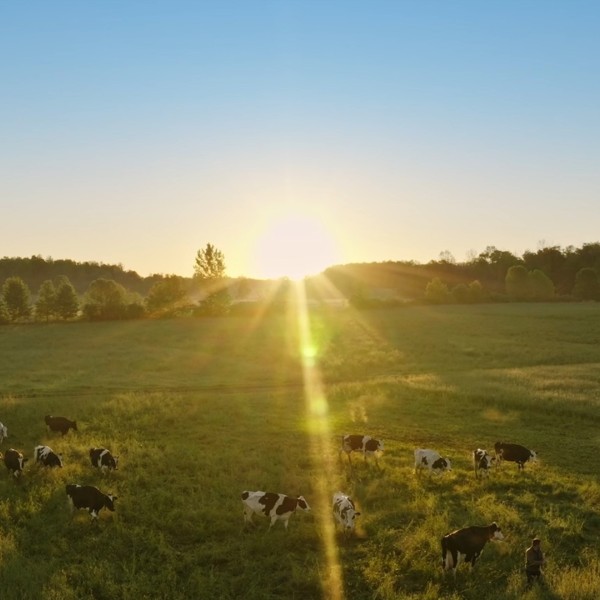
(318, 426)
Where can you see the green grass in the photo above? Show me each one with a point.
(199, 410)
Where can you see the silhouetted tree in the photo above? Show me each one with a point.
(67, 302)
(540, 285)
(17, 298)
(209, 273)
(436, 292)
(105, 299)
(45, 305)
(167, 296)
(517, 283)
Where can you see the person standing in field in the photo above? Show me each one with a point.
(534, 560)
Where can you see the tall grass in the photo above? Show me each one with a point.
(200, 410)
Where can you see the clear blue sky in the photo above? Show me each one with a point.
(135, 132)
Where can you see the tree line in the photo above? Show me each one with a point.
(109, 292)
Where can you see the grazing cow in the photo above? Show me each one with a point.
(46, 456)
(275, 506)
(344, 511)
(14, 461)
(61, 424)
(466, 545)
(514, 453)
(432, 461)
(101, 458)
(361, 443)
(3, 432)
(90, 498)
(482, 461)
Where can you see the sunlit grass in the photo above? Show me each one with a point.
(200, 410)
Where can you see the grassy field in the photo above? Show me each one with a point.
(200, 410)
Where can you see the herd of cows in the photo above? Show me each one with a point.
(80, 496)
(462, 545)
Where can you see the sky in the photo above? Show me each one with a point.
(296, 134)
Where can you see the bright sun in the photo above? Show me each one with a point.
(294, 246)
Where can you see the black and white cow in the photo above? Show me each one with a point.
(344, 511)
(14, 461)
(482, 461)
(3, 432)
(361, 443)
(465, 545)
(431, 461)
(514, 453)
(47, 456)
(90, 498)
(61, 424)
(101, 458)
(278, 507)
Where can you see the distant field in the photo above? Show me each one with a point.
(200, 410)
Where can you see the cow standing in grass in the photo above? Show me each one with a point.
(47, 457)
(14, 461)
(61, 424)
(465, 545)
(482, 462)
(514, 453)
(432, 461)
(89, 498)
(102, 459)
(278, 507)
(361, 443)
(344, 511)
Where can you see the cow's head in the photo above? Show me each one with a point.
(496, 533)
(74, 425)
(109, 501)
(302, 503)
(532, 455)
(441, 465)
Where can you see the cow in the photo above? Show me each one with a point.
(432, 461)
(102, 459)
(14, 461)
(482, 461)
(361, 443)
(61, 424)
(47, 456)
(514, 453)
(275, 506)
(344, 511)
(467, 544)
(3, 432)
(90, 498)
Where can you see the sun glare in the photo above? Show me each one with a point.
(294, 246)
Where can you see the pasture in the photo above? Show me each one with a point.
(200, 410)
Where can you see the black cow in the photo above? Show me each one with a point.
(47, 456)
(466, 545)
(90, 498)
(101, 458)
(61, 424)
(361, 443)
(514, 453)
(14, 461)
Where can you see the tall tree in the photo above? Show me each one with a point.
(45, 305)
(105, 299)
(17, 298)
(540, 285)
(67, 302)
(209, 271)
